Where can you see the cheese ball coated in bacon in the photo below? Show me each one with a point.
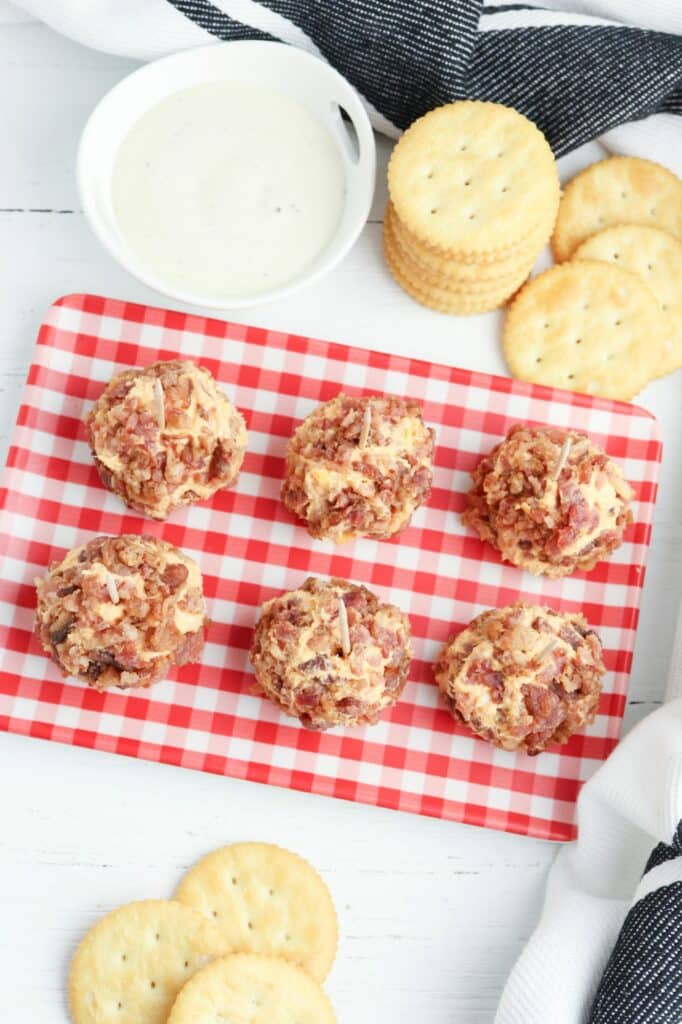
(165, 436)
(549, 500)
(331, 654)
(119, 611)
(359, 467)
(522, 677)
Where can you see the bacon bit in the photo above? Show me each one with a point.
(307, 698)
(59, 635)
(343, 628)
(563, 455)
(482, 673)
(547, 650)
(366, 426)
(111, 587)
(160, 407)
(174, 575)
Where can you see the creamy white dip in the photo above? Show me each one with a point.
(228, 189)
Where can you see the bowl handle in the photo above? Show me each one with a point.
(357, 139)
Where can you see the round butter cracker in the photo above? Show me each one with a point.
(132, 963)
(586, 326)
(473, 180)
(656, 257)
(266, 900)
(619, 190)
(431, 269)
(444, 299)
(466, 274)
(250, 988)
(427, 280)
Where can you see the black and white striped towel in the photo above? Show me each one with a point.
(608, 947)
(642, 983)
(579, 68)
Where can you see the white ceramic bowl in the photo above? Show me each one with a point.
(314, 84)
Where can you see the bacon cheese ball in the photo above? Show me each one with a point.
(331, 654)
(119, 611)
(165, 436)
(359, 467)
(549, 500)
(523, 676)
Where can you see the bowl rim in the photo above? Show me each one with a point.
(126, 258)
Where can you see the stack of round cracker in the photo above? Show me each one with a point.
(608, 319)
(474, 193)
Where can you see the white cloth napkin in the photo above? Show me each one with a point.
(632, 802)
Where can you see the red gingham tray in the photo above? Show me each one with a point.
(249, 549)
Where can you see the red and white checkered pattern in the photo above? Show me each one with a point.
(249, 549)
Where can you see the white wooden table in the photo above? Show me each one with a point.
(432, 914)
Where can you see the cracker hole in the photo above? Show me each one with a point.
(157, 936)
(546, 325)
(215, 913)
(234, 880)
(250, 925)
(287, 937)
(578, 341)
(186, 964)
(467, 182)
(586, 306)
(429, 174)
(462, 148)
(616, 323)
(472, 216)
(505, 188)
(653, 212)
(119, 1006)
(152, 984)
(616, 255)
(124, 957)
(271, 892)
(434, 209)
(664, 305)
(501, 153)
(570, 376)
(623, 195)
(539, 359)
(649, 266)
